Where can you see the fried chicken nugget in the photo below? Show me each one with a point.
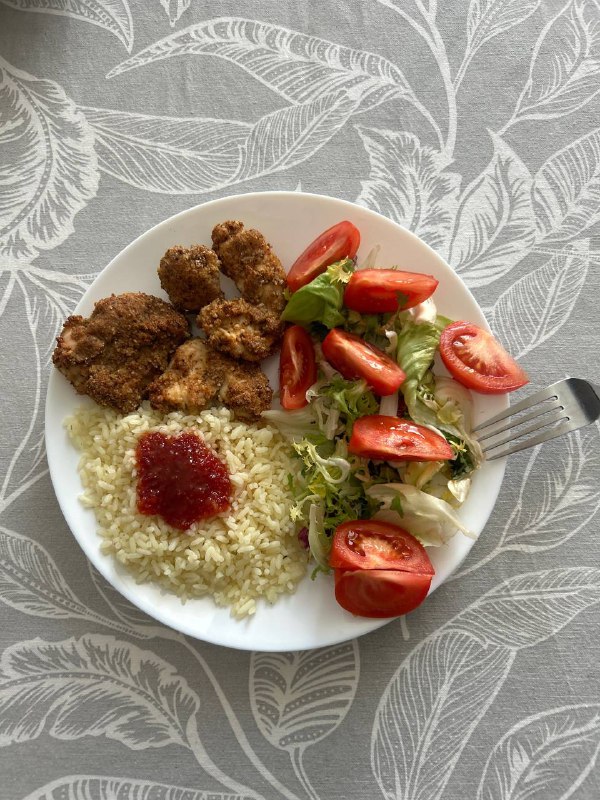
(190, 382)
(190, 276)
(246, 391)
(199, 375)
(241, 330)
(115, 354)
(248, 259)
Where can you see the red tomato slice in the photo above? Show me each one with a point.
(297, 367)
(377, 291)
(394, 439)
(477, 360)
(380, 592)
(355, 358)
(371, 544)
(339, 241)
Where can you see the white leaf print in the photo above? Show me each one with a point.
(443, 688)
(429, 710)
(179, 156)
(112, 15)
(566, 190)
(565, 67)
(47, 298)
(494, 227)
(92, 686)
(537, 305)
(300, 698)
(52, 296)
(31, 582)
(561, 500)
(49, 169)
(526, 609)
(171, 155)
(538, 757)
(487, 19)
(299, 68)
(408, 183)
(175, 9)
(96, 787)
(137, 623)
(24, 464)
(557, 504)
(291, 135)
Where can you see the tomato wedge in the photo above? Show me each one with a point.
(394, 439)
(377, 291)
(297, 368)
(380, 593)
(477, 360)
(373, 544)
(339, 241)
(355, 359)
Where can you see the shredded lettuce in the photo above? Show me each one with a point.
(342, 399)
(428, 518)
(321, 300)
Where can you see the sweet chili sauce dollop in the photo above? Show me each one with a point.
(180, 479)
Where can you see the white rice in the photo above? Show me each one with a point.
(248, 552)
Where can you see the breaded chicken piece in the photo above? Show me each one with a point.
(190, 276)
(115, 354)
(241, 330)
(246, 391)
(191, 380)
(199, 375)
(248, 259)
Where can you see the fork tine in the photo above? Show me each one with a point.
(557, 416)
(539, 397)
(540, 410)
(566, 427)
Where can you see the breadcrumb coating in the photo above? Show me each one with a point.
(240, 329)
(190, 276)
(198, 376)
(115, 353)
(248, 259)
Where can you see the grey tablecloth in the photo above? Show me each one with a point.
(475, 124)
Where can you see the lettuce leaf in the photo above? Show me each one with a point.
(322, 299)
(428, 518)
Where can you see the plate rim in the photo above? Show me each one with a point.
(101, 562)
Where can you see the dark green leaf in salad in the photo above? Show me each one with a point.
(321, 300)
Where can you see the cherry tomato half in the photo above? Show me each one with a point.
(339, 241)
(371, 544)
(297, 367)
(477, 360)
(355, 358)
(394, 439)
(377, 291)
(380, 593)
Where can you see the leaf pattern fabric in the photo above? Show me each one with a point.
(475, 126)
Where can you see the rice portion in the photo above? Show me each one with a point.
(248, 552)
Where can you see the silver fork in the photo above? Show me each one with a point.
(563, 407)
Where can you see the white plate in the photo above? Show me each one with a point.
(289, 220)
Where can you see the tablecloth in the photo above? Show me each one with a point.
(475, 125)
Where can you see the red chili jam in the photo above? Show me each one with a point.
(180, 479)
